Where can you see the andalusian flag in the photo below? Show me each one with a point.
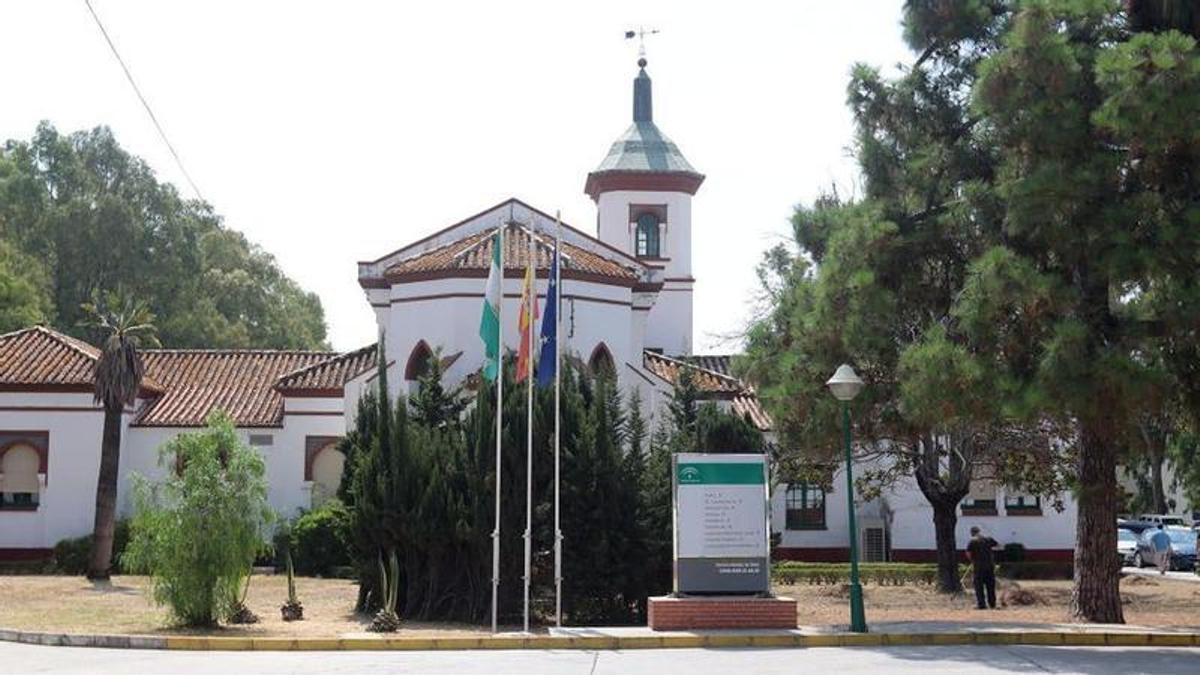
(489, 324)
(528, 305)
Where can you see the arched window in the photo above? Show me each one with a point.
(418, 365)
(647, 235)
(19, 485)
(327, 468)
(601, 361)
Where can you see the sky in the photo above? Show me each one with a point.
(333, 132)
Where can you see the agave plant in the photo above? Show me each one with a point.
(291, 610)
(240, 613)
(386, 620)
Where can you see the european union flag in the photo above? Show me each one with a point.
(548, 356)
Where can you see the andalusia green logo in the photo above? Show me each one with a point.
(719, 473)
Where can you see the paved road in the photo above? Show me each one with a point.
(19, 658)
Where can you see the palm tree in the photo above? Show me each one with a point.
(125, 325)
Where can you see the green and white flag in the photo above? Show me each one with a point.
(489, 324)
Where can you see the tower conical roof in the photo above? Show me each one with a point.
(643, 158)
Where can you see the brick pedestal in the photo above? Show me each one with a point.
(667, 613)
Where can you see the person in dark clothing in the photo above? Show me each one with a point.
(979, 552)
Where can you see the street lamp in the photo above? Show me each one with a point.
(845, 385)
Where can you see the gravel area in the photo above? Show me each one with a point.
(1148, 602)
(72, 604)
(75, 605)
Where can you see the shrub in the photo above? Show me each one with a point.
(71, 556)
(1013, 553)
(198, 532)
(318, 540)
(884, 574)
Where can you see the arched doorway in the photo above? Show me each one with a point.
(327, 467)
(601, 362)
(419, 362)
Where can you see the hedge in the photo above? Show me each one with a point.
(900, 574)
(317, 539)
(884, 574)
(71, 556)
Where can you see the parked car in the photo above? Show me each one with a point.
(1164, 519)
(1183, 548)
(1134, 526)
(1127, 542)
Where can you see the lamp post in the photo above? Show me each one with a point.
(845, 385)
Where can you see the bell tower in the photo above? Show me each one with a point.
(643, 192)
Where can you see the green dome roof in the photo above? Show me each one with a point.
(644, 148)
(643, 157)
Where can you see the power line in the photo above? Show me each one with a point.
(145, 104)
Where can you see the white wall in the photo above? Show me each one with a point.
(911, 523)
(670, 321)
(445, 313)
(1174, 491)
(67, 501)
(284, 458)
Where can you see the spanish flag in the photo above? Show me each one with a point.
(529, 307)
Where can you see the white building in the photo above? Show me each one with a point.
(289, 404)
(627, 292)
(898, 526)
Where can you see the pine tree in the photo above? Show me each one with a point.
(433, 405)
(655, 522)
(378, 521)
(1099, 170)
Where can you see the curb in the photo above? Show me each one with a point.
(742, 640)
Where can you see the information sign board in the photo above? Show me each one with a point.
(721, 528)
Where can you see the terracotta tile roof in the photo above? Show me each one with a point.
(717, 363)
(472, 256)
(714, 377)
(330, 374)
(43, 357)
(749, 405)
(240, 382)
(40, 356)
(707, 381)
(745, 403)
(184, 385)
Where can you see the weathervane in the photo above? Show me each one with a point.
(641, 34)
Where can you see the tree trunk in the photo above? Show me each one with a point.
(1157, 492)
(1096, 596)
(945, 518)
(106, 494)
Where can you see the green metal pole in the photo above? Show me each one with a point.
(858, 617)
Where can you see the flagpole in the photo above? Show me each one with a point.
(558, 538)
(499, 425)
(529, 314)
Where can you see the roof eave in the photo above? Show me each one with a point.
(509, 273)
(599, 182)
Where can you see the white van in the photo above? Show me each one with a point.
(1163, 519)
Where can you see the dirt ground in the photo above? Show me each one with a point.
(1147, 602)
(72, 604)
(75, 605)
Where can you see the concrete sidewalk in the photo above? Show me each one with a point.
(883, 634)
(1153, 572)
(914, 660)
(895, 628)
